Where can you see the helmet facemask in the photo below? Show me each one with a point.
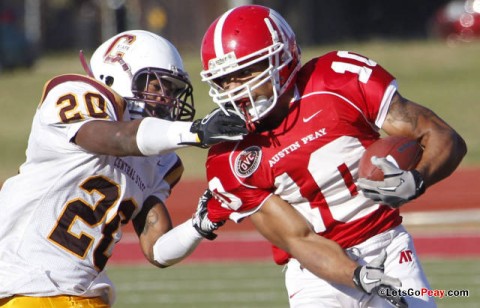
(161, 93)
(241, 97)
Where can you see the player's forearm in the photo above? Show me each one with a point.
(156, 136)
(443, 152)
(326, 259)
(444, 148)
(176, 244)
(149, 136)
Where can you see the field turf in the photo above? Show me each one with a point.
(256, 284)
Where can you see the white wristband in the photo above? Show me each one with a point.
(156, 136)
(176, 244)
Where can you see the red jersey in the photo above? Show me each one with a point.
(311, 159)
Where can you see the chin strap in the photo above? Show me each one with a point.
(251, 127)
(248, 119)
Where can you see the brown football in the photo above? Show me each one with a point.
(405, 151)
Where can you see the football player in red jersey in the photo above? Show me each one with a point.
(295, 175)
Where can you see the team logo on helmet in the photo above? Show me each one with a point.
(248, 161)
(118, 48)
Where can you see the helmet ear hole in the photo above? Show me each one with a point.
(109, 81)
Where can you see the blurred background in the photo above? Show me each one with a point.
(32, 28)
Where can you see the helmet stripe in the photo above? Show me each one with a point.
(217, 37)
(286, 32)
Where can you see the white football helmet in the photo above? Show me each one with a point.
(239, 38)
(129, 61)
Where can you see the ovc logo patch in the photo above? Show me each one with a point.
(248, 161)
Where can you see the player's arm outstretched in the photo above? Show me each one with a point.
(153, 136)
(164, 246)
(284, 227)
(443, 151)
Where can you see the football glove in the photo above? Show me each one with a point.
(201, 223)
(371, 278)
(216, 127)
(398, 186)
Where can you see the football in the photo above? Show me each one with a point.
(405, 152)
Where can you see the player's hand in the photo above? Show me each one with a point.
(398, 186)
(371, 278)
(217, 127)
(201, 223)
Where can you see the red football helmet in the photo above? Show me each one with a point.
(239, 38)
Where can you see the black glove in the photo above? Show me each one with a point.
(398, 187)
(371, 278)
(201, 223)
(217, 127)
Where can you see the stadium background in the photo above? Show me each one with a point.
(443, 75)
(50, 25)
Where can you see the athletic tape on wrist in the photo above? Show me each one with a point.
(419, 183)
(156, 136)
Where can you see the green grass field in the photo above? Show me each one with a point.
(257, 284)
(443, 78)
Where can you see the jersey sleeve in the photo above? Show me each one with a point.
(363, 82)
(69, 101)
(239, 180)
(163, 173)
(174, 170)
(170, 169)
